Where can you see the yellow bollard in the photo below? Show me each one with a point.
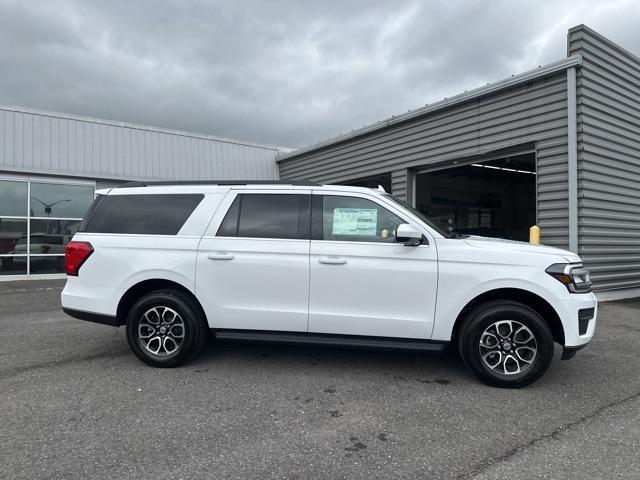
(534, 234)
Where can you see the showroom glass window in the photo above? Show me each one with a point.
(37, 219)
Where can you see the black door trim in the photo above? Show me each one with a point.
(323, 339)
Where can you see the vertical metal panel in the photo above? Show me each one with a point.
(531, 112)
(399, 185)
(572, 163)
(608, 160)
(43, 142)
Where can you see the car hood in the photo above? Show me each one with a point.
(515, 246)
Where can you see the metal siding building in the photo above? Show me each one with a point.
(57, 144)
(576, 121)
(51, 164)
(608, 159)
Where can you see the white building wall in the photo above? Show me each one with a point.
(51, 143)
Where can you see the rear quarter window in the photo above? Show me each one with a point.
(154, 214)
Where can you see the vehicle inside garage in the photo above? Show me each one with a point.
(495, 198)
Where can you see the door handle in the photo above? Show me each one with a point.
(220, 256)
(332, 260)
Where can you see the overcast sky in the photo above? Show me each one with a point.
(279, 72)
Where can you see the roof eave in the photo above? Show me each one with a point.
(545, 70)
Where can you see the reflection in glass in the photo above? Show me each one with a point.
(13, 265)
(13, 233)
(353, 219)
(46, 264)
(13, 198)
(50, 236)
(60, 200)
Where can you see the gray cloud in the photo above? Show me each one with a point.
(280, 72)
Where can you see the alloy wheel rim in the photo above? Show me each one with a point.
(508, 347)
(161, 331)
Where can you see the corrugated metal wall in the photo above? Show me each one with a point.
(531, 112)
(608, 160)
(41, 142)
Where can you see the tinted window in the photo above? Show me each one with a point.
(12, 233)
(143, 214)
(48, 235)
(13, 198)
(357, 220)
(267, 216)
(60, 200)
(229, 226)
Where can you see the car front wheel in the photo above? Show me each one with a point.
(506, 344)
(164, 330)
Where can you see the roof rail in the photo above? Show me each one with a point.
(305, 183)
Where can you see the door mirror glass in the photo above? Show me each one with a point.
(408, 234)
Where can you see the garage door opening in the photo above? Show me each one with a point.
(495, 198)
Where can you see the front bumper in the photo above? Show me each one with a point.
(578, 330)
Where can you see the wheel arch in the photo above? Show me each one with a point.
(530, 299)
(146, 286)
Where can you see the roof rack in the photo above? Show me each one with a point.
(304, 183)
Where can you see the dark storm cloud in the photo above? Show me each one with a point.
(280, 72)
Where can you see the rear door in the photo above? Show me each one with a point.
(362, 281)
(253, 262)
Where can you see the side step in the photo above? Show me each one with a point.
(322, 339)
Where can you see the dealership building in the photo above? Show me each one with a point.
(51, 164)
(557, 146)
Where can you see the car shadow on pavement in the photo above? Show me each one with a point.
(346, 360)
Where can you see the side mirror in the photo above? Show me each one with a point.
(409, 235)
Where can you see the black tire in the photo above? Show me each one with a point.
(172, 351)
(482, 321)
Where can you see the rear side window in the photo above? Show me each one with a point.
(267, 216)
(158, 214)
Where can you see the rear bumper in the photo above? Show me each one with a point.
(93, 317)
(83, 297)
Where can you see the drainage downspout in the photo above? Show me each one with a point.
(572, 135)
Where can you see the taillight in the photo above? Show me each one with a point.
(75, 254)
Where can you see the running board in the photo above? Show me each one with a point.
(322, 339)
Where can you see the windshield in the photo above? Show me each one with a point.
(423, 217)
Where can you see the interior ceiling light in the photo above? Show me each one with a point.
(502, 168)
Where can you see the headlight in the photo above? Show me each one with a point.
(572, 275)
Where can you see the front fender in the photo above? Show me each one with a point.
(453, 297)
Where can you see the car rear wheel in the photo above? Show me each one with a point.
(164, 329)
(506, 344)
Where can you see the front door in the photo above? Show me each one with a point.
(362, 281)
(253, 263)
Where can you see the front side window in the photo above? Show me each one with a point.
(354, 219)
(267, 216)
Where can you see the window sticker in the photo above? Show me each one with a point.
(355, 221)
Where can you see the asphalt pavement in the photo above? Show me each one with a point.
(75, 403)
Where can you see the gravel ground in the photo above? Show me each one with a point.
(77, 404)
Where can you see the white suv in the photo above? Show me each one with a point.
(322, 265)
